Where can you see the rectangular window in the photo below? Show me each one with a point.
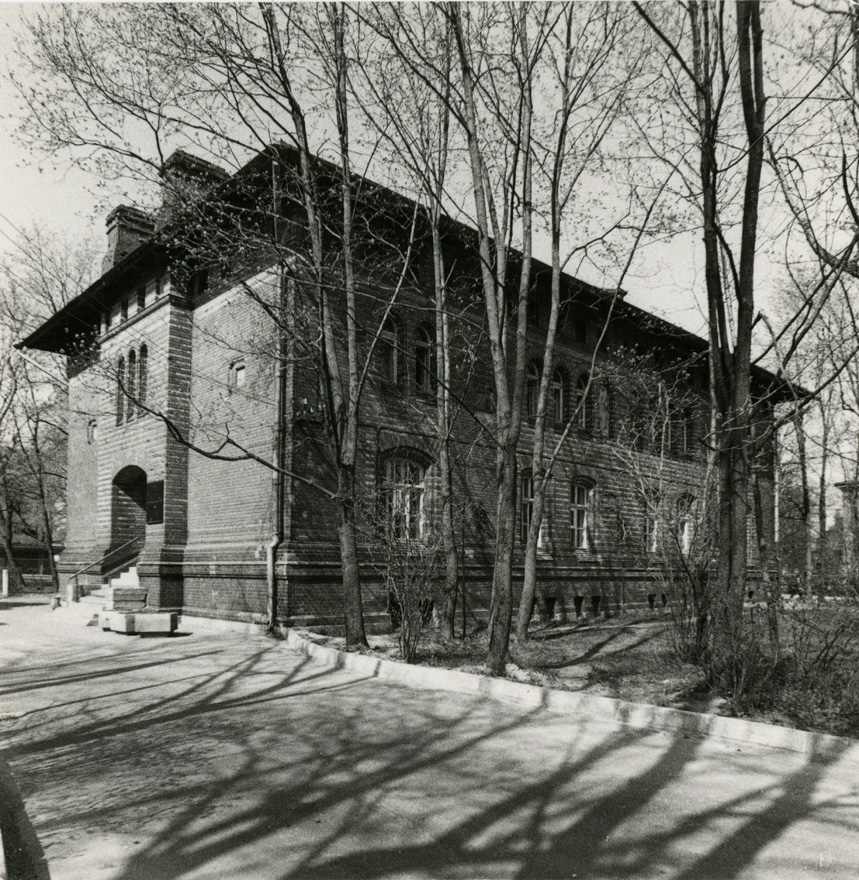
(403, 495)
(558, 398)
(580, 515)
(526, 512)
(141, 298)
(123, 309)
(155, 502)
(650, 525)
(526, 507)
(238, 375)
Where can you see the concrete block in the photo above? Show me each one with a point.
(155, 622)
(105, 619)
(122, 623)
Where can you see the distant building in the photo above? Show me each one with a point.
(195, 345)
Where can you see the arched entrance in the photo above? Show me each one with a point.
(128, 508)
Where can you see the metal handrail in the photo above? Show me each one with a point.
(74, 577)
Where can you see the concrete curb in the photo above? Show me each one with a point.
(816, 746)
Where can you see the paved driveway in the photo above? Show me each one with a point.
(226, 755)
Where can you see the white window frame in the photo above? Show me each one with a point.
(584, 407)
(581, 514)
(404, 497)
(526, 511)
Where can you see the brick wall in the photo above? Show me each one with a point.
(212, 373)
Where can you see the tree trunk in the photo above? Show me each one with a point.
(451, 555)
(353, 613)
(447, 608)
(764, 529)
(805, 504)
(501, 605)
(44, 511)
(822, 543)
(16, 582)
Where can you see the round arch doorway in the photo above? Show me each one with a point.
(128, 509)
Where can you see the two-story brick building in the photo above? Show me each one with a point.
(169, 357)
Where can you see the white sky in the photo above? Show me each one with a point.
(63, 200)
(666, 278)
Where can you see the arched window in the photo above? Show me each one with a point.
(131, 386)
(584, 404)
(532, 388)
(581, 514)
(120, 392)
(558, 393)
(403, 490)
(425, 361)
(388, 348)
(142, 377)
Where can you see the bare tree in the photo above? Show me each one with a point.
(716, 63)
(232, 80)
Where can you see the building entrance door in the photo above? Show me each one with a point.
(128, 509)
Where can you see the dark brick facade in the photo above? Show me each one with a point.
(210, 367)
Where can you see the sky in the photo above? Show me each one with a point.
(34, 192)
(53, 194)
(666, 277)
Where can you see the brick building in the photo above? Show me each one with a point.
(166, 348)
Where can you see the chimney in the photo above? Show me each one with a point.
(185, 180)
(127, 229)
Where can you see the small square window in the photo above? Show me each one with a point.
(238, 375)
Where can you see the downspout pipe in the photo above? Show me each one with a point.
(278, 475)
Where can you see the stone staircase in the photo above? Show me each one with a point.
(120, 606)
(121, 593)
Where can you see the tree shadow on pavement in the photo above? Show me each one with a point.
(269, 764)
